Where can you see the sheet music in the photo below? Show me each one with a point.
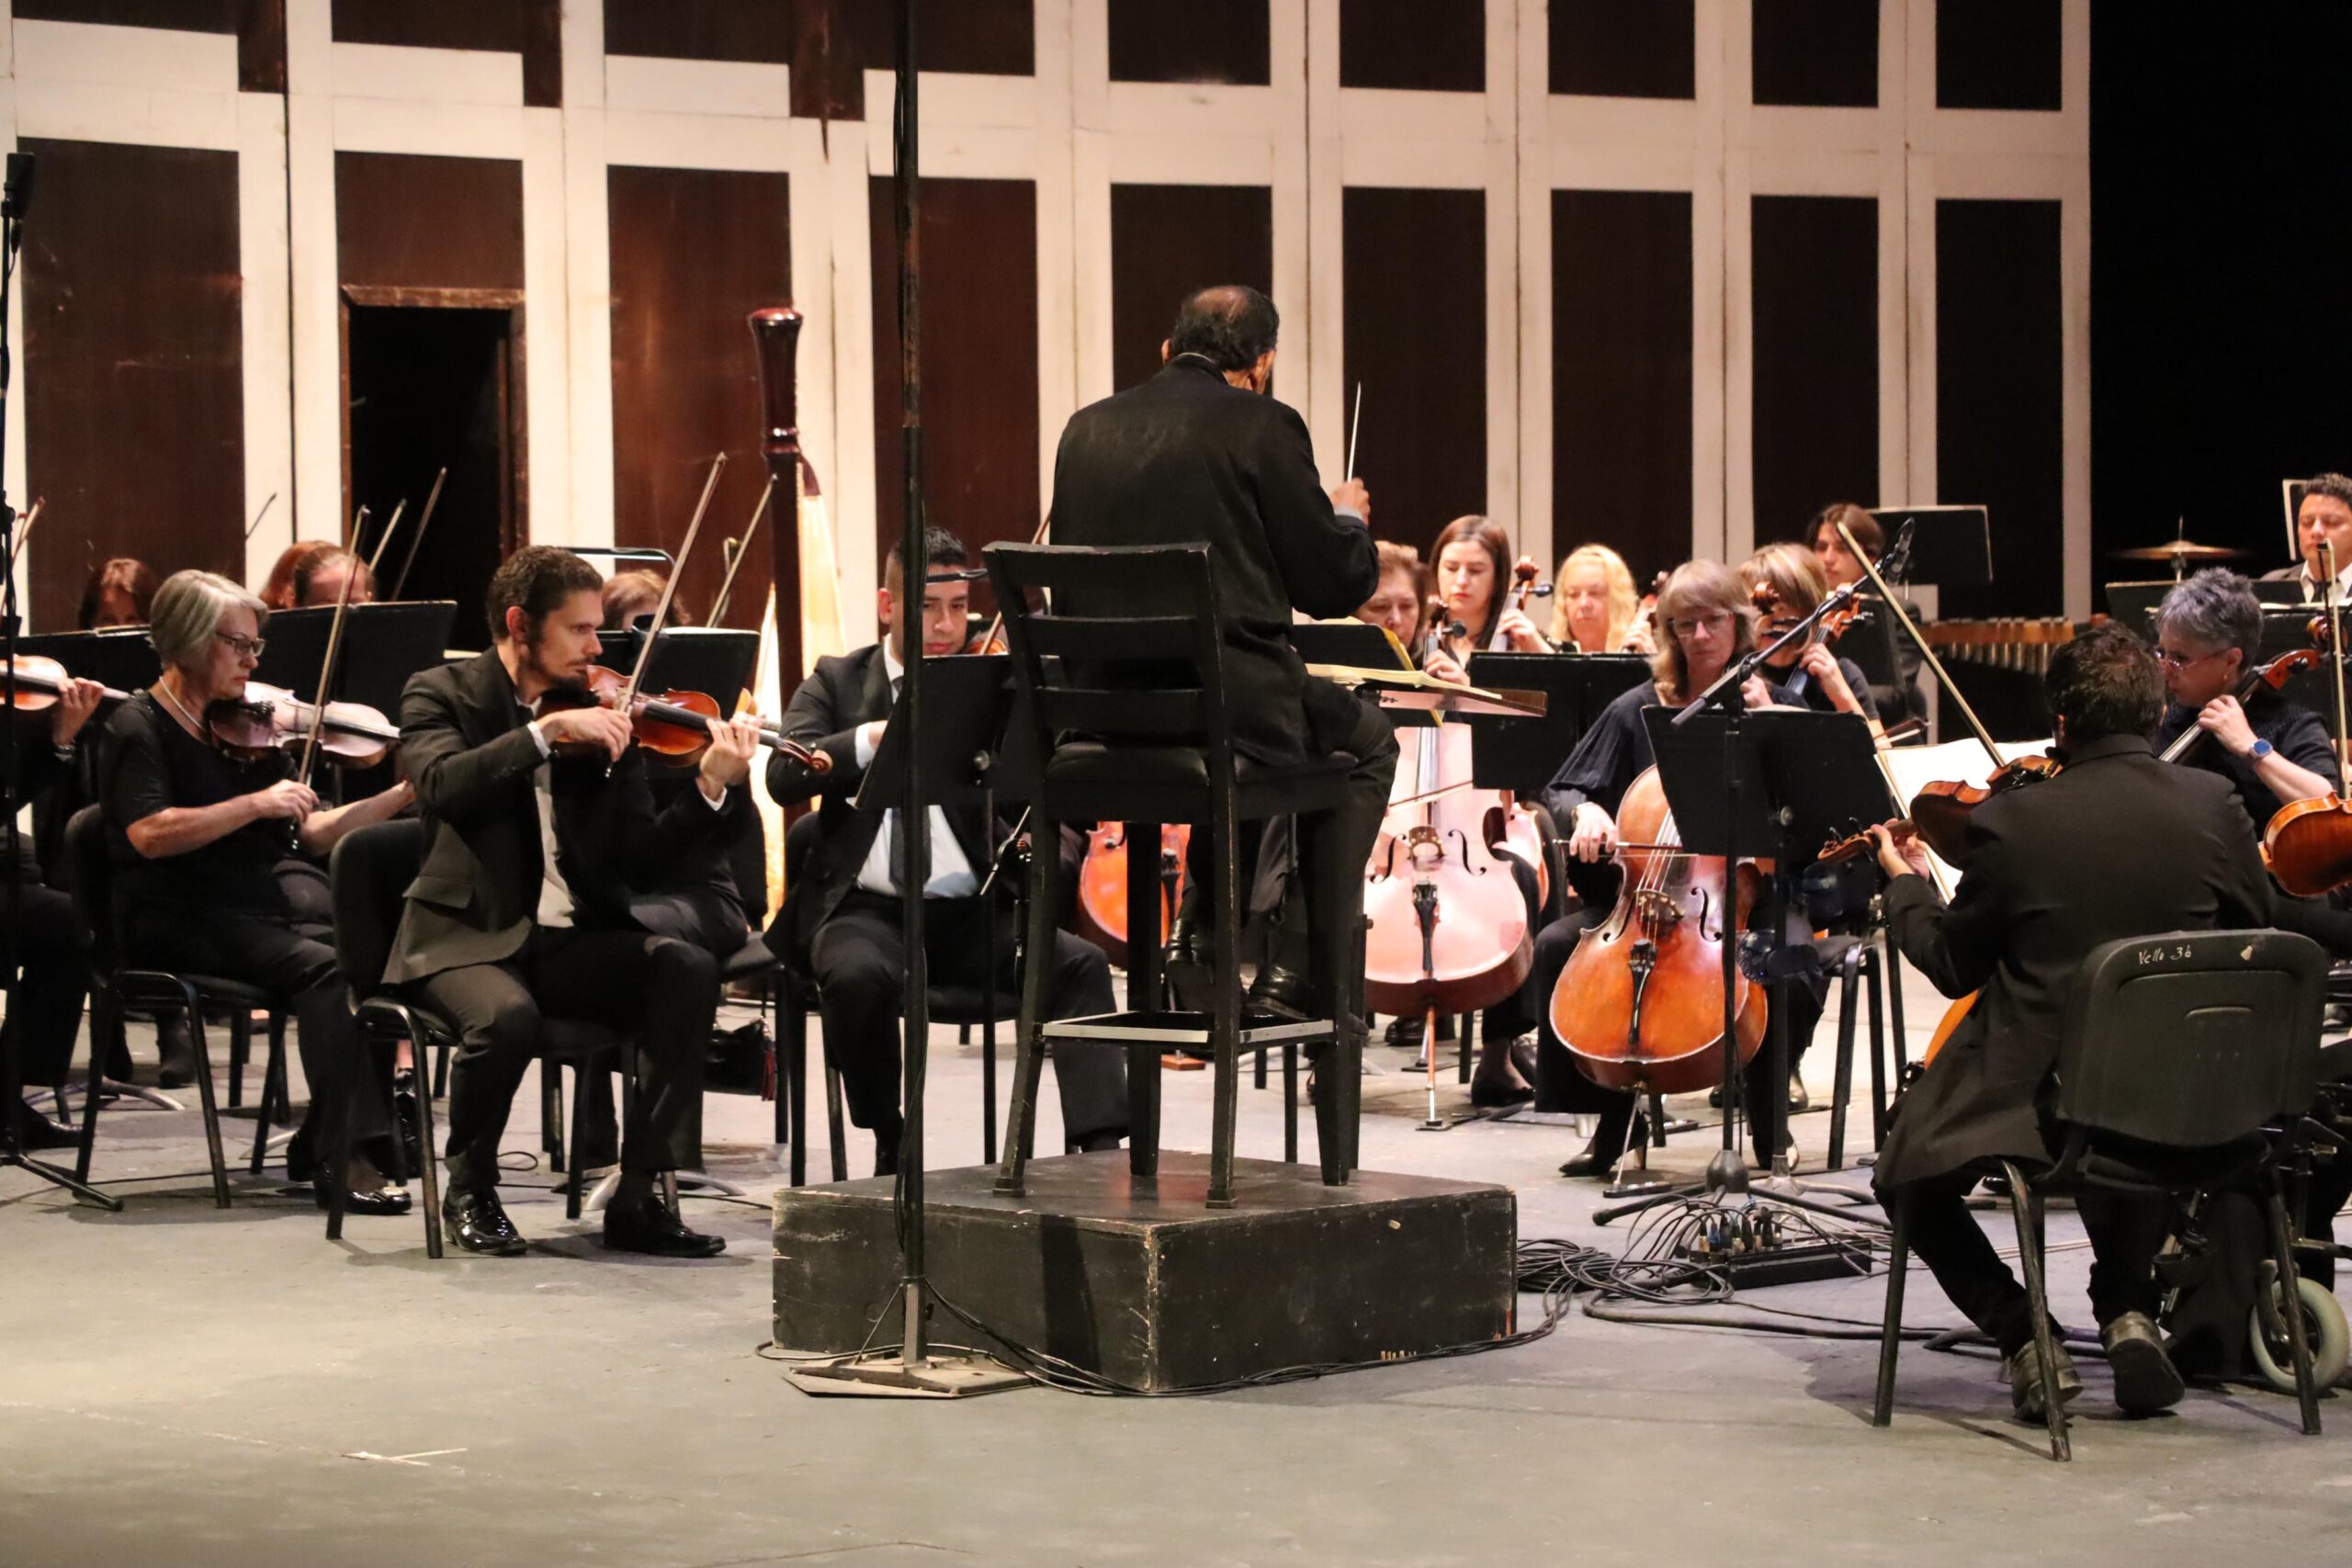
(1911, 769)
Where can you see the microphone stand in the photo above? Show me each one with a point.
(916, 1369)
(12, 898)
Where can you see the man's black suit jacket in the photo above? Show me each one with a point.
(842, 692)
(2118, 845)
(465, 743)
(1187, 458)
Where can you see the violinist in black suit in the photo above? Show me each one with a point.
(843, 909)
(1203, 453)
(2054, 870)
(540, 829)
(45, 1011)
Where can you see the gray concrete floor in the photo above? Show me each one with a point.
(180, 1385)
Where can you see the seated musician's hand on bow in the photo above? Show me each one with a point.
(733, 744)
(286, 799)
(1595, 838)
(1442, 667)
(607, 729)
(2224, 721)
(1901, 852)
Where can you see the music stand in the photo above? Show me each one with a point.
(384, 644)
(1740, 784)
(1522, 754)
(120, 657)
(1951, 547)
(716, 660)
(2135, 604)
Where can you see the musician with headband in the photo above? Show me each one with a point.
(1203, 453)
(539, 830)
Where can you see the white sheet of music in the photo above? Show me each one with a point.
(1913, 768)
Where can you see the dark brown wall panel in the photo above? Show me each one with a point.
(1167, 241)
(183, 16)
(1624, 48)
(1201, 40)
(760, 31)
(404, 221)
(1821, 53)
(835, 41)
(261, 46)
(1997, 54)
(979, 360)
(2000, 437)
(133, 369)
(694, 251)
(1415, 337)
(1620, 374)
(1414, 44)
(1814, 306)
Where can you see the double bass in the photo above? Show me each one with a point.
(2307, 845)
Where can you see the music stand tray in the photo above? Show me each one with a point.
(716, 660)
(972, 753)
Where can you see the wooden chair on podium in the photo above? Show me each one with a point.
(1131, 722)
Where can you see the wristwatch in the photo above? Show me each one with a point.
(2261, 748)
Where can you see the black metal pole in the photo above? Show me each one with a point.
(914, 819)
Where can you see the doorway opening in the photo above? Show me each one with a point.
(434, 378)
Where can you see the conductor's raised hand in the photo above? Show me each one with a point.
(1350, 496)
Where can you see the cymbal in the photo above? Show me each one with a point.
(2179, 549)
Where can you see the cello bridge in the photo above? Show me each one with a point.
(1654, 907)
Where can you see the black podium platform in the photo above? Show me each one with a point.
(1154, 1290)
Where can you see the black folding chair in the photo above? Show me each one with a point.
(2178, 1050)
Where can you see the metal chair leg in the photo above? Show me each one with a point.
(273, 1099)
(792, 1085)
(1879, 1079)
(205, 1097)
(833, 1126)
(575, 1189)
(2282, 1247)
(551, 1113)
(1225, 1024)
(102, 1014)
(241, 1050)
(1289, 1101)
(429, 1158)
(1890, 1333)
(1028, 1065)
(2025, 1209)
(1851, 967)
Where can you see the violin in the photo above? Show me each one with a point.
(672, 726)
(35, 684)
(270, 718)
(1941, 811)
(1101, 915)
(1640, 1005)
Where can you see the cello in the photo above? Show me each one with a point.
(2307, 845)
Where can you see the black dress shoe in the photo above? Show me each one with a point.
(1098, 1142)
(2026, 1394)
(1282, 992)
(2145, 1380)
(1496, 1090)
(36, 1132)
(1593, 1161)
(386, 1199)
(652, 1227)
(477, 1222)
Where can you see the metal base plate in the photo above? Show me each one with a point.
(886, 1376)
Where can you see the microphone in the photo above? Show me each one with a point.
(16, 195)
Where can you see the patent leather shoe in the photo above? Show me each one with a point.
(1282, 992)
(385, 1200)
(477, 1223)
(652, 1227)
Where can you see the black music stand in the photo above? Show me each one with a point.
(1522, 754)
(716, 660)
(1741, 782)
(122, 657)
(1951, 547)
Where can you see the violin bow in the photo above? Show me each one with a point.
(334, 650)
(2335, 641)
(391, 527)
(1902, 618)
(424, 520)
(742, 547)
(670, 588)
(265, 505)
(25, 531)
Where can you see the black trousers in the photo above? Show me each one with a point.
(291, 957)
(45, 1015)
(2125, 1228)
(662, 992)
(859, 960)
(1561, 1087)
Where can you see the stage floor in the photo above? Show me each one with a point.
(180, 1385)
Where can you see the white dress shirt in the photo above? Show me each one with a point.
(951, 872)
(556, 907)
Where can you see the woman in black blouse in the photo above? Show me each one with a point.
(1790, 577)
(1708, 619)
(218, 858)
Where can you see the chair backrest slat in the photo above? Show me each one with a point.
(2192, 1039)
(1127, 648)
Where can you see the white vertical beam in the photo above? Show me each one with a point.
(1502, 338)
(315, 508)
(1308, 30)
(1708, 535)
(547, 369)
(1529, 66)
(852, 481)
(587, 272)
(266, 348)
(1058, 263)
(2074, 286)
(1737, 374)
(1894, 255)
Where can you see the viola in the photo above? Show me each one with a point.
(271, 720)
(35, 684)
(1640, 1005)
(671, 726)
(1941, 811)
(1100, 916)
